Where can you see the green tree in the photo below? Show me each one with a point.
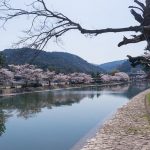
(2, 60)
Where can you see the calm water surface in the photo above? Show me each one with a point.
(58, 120)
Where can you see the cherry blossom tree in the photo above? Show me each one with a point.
(106, 78)
(37, 75)
(31, 73)
(117, 77)
(6, 76)
(123, 76)
(61, 78)
(49, 76)
(27, 73)
(79, 78)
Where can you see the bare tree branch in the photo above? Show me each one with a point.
(136, 39)
(140, 60)
(54, 24)
(137, 16)
(134, 7)
(47, 24)
(140, 4)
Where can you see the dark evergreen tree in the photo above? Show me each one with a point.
(2, 60)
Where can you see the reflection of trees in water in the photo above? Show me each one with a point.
(136, 87)
(113, 88)
(141, 85)
(125, 90)
(132, 89)
(28, 105)
(2, 122)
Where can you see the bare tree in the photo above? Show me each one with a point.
(54, 24)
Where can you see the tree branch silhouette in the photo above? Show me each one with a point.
(47, 24)
(54, 24)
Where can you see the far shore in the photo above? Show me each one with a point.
(19, 91)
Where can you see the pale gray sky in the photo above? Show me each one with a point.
(91, 14)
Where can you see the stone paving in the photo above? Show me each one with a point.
(129, 128)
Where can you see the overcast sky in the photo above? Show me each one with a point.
(91, 14)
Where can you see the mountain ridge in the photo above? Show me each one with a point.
(111, 66)
(58, 61)
(119, 65)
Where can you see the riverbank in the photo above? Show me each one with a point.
(128, 129)
(18, 91)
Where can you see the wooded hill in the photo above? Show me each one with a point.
(111, 66)
(120, 65)
(58, 61)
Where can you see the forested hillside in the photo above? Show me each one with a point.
(58, 61)
(121, 65)
(111, 66)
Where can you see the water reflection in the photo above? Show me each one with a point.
(2, 122)
(28, 105)
(136, 87)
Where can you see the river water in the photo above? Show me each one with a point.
(57, 120)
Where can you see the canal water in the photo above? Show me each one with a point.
(57, 120)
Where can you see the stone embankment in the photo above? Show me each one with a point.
(129, 128)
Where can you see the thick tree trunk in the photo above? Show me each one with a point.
(49, 83)
(146, 14)
(147, 2)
